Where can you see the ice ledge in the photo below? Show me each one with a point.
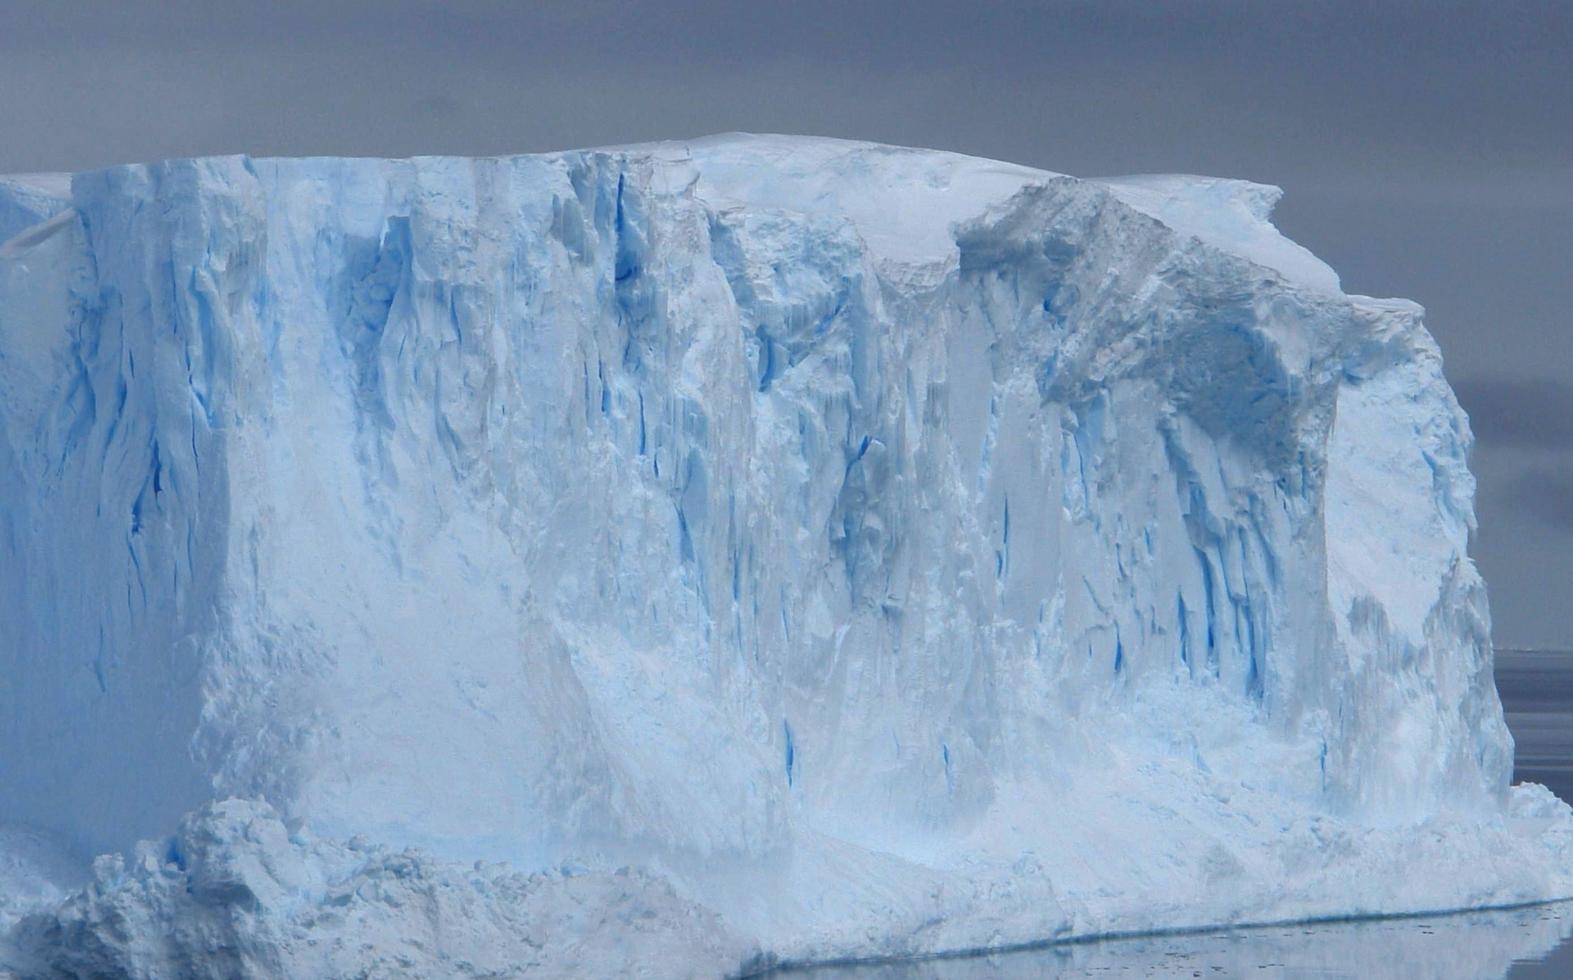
(1230, 215)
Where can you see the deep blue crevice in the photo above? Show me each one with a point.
(136, 568)
(627, 264)
(1210, 602)
(1253, 677)
(196, 454)
(641, 425)
(686, 541)
(855, 458)
(791, 753)
(1002, 555)
(154, 481)
(382, 267)
(82, 404)
(1081, 464)
(635, 294)
(455, 317)
(823, 326)
(119, 412)
(173, 854)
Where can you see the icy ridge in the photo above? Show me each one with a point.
(881, 548)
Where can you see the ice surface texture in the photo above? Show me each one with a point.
(878, 549)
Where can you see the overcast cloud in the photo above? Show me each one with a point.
(1426, 148)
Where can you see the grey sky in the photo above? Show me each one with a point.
(1426, 148)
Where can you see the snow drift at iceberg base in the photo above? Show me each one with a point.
(688, 556)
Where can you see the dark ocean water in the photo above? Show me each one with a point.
(1537, 695)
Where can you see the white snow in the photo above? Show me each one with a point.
(871, 550)
(1230, 215)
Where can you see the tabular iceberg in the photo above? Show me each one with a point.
(688, 556)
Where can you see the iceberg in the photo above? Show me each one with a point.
(697, 556)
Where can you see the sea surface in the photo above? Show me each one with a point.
(1536, 942)
(1537, 695)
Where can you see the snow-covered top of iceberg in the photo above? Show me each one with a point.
(906, 202)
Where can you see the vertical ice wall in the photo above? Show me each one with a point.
(116, 498)
(681, 498)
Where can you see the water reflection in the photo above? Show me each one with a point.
(1518, 943)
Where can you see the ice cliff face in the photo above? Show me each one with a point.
(860, 538)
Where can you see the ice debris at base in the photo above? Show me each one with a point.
(877, 550)
(233, 894)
